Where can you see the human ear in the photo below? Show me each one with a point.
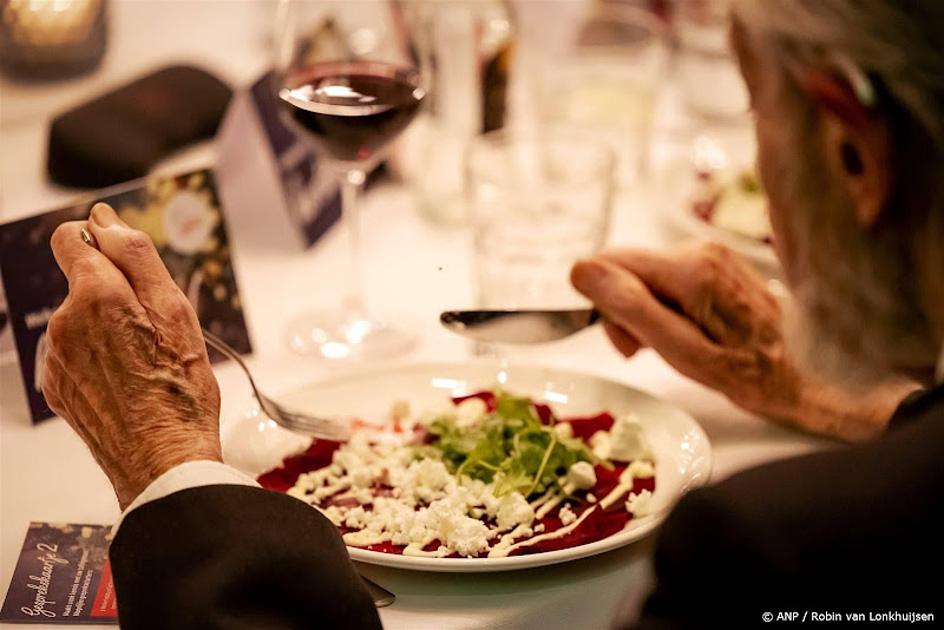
(857, 145)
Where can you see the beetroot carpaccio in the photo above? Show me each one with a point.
(493, 475)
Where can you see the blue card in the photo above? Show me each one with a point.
(62, 576)
(182, 215)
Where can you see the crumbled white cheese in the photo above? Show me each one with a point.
(566, 515)
(591, 498)
(564, 430)
(639, 504)
(539, 528)
(426, 503)
(626, 440)
(332, 513)
(356, 518)
(600, 444)
(639, 469)
(514, 510)
(582, 476)
(298, 492)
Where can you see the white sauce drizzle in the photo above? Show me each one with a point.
(542, 499)
(547, 507)
(506, 541)
(364, 538)
(559, 533)
(340, 480)
(416, 549)
(638, 469)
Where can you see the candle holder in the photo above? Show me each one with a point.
(51, 39)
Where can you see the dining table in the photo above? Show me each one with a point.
(415, 269)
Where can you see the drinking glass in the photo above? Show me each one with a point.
(711, 81)
(539, 202)
(349, 79)
(604, 78)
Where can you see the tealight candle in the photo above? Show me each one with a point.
(51, 38)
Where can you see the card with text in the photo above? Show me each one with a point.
(181, 214)
(62, 576)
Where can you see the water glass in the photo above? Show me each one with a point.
(539, 202)
(710, 79)
(605, 79)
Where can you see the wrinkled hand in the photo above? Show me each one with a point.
(126, 364)
(713, 319)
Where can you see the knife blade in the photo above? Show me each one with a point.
(518, 326)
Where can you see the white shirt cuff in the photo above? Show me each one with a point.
(188, 475)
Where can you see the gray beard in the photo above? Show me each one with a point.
(812, 345)
(856, 316)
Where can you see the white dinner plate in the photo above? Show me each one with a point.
(680, 447)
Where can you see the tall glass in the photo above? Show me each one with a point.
(711, 81)
(349, 78)
(604, 79)
(539, 202)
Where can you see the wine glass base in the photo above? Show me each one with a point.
(340, 335)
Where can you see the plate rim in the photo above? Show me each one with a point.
(624, 537)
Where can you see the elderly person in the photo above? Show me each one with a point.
(849, 104)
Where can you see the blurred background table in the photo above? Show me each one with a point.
(47, 474)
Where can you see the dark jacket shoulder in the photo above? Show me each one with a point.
(848, 529)
(230, 556)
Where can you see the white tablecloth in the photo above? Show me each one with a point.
(47, 474)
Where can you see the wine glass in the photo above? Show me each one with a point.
(349, 78)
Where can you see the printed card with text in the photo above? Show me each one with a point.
(182, 215)
(62, 576)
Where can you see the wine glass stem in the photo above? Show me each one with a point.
(352, 181)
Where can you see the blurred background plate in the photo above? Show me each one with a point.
(254, 444)
(702, 183)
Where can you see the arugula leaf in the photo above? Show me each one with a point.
(509, 446)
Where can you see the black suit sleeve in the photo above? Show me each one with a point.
(239, 557)
(845, 530)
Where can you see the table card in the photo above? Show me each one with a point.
(272, 175)
(62, 576)
(181, 213)
(311, 192)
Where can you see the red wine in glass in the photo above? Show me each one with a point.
(351, 110)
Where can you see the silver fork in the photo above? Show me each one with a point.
(325, 428)
(315, 426)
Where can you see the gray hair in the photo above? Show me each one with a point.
(897, 41)
(890, 53)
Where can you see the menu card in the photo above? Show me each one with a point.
(181, 213)
(62, 576)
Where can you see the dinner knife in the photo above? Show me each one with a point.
(519, 326)
(381, 596)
